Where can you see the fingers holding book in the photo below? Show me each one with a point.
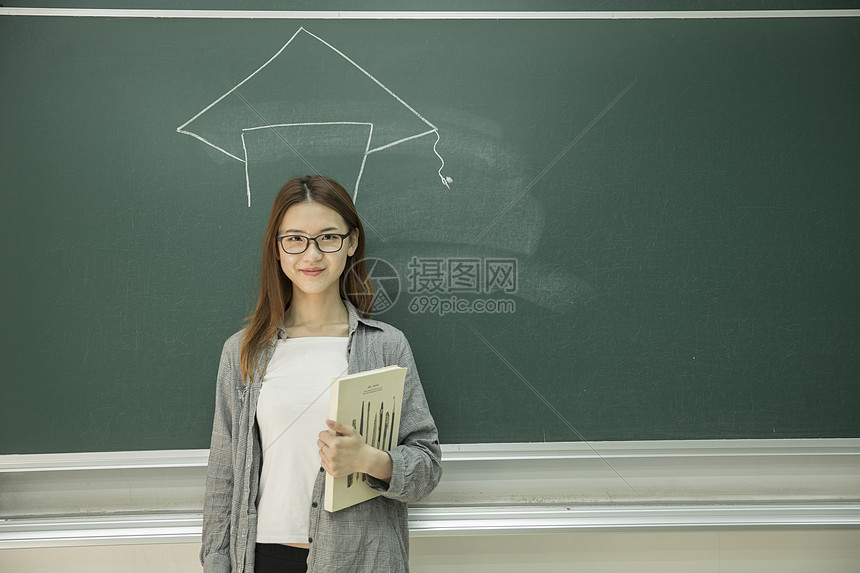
(343, 451)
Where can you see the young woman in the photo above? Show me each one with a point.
(263, 509)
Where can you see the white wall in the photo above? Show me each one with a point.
(787, 551)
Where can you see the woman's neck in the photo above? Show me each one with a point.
(316, 316)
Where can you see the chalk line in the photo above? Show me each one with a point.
(361, 171)
(311, 167)
(182, 128)
(392, 94)
(399, 141)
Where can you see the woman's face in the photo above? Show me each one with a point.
(314, 272)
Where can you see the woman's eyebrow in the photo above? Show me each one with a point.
(299, 231)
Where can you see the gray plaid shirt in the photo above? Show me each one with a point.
(370, 536)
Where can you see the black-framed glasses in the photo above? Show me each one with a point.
(326, 243)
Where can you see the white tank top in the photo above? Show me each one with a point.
(291, 412)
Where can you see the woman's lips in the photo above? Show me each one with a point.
(311, 272)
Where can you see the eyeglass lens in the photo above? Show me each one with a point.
(295, 244)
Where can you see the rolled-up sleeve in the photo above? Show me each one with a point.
(218, 499)
(416, 461)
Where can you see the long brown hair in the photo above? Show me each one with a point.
(276, 290)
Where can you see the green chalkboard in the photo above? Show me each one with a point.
(642, 229)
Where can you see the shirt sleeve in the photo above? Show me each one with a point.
(416, 461)
(218, 499)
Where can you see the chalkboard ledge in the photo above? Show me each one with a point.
(156, 496)
(424, 522)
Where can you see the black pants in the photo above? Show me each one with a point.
(274, 558)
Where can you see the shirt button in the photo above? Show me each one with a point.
(322, 470)
(310, 539)
(314, 504)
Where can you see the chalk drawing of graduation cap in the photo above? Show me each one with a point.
(309, 108)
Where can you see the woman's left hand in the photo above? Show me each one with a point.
(345, 453)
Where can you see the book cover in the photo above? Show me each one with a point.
(370, 402)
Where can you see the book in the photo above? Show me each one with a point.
(371, 403)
